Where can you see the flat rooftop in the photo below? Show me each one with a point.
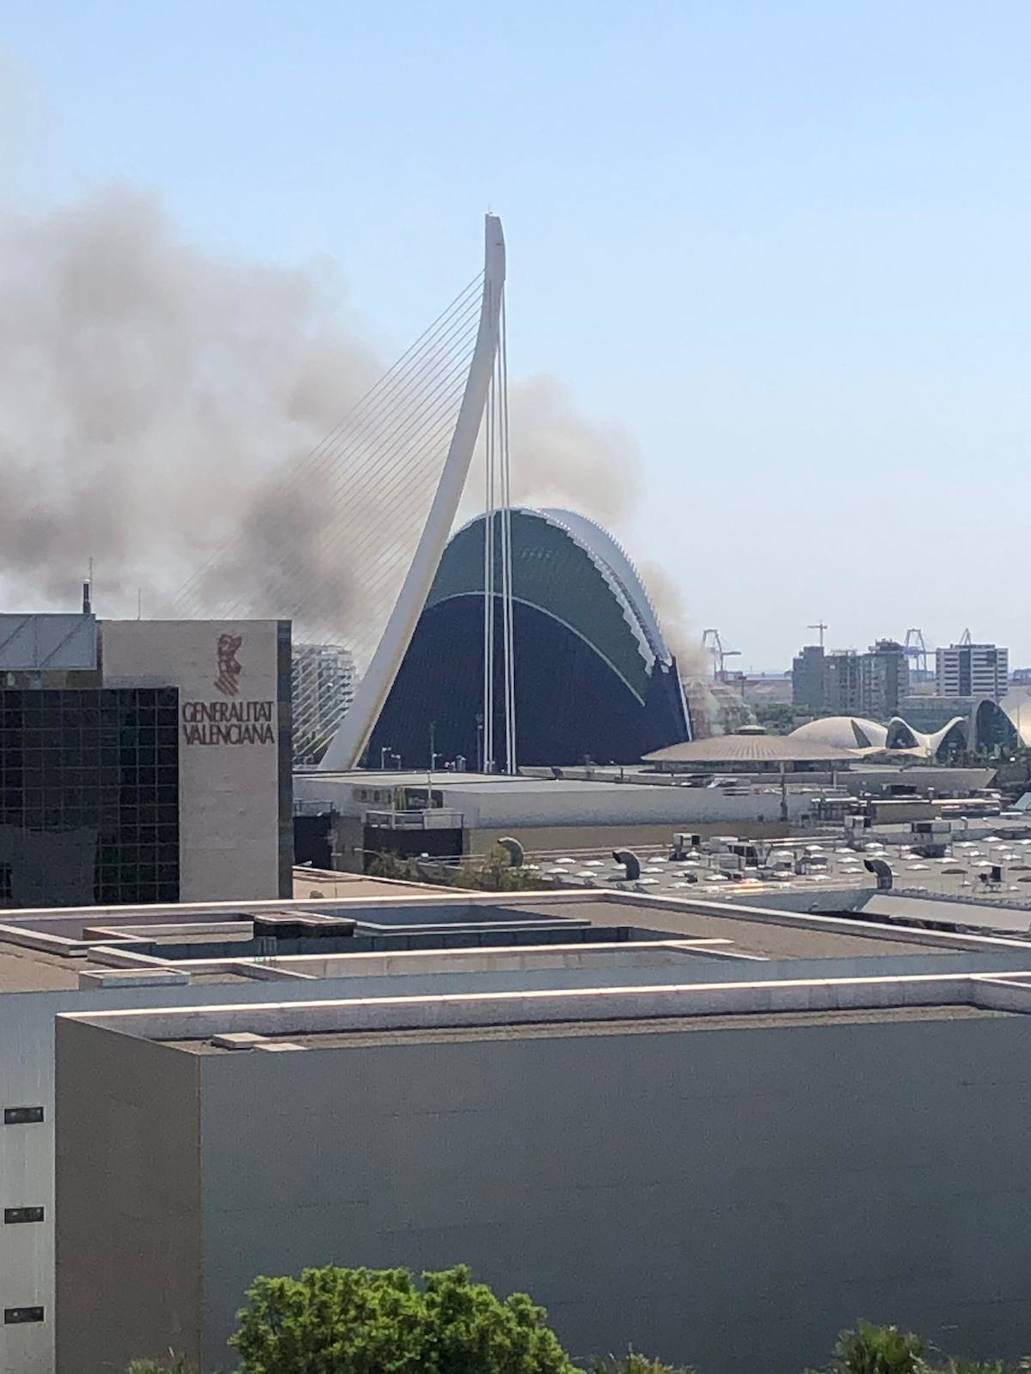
(357, 1040)
(832, 864)
(436, 933)
(487, 940)
(345, 1023)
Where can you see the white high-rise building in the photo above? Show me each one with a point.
(323, 690)
(972, 670)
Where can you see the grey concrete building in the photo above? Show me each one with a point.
(847, 683)
(354, 815)
(93, 959)
(883, 679)
(808, 686)
(416, 940)
(702, 1169)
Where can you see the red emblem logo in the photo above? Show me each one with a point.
(229, 670)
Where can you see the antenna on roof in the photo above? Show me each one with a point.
(87, 592)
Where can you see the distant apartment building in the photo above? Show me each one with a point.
(322, 689)
(883, 679)
(807, 678)
(841, 683)
(972, 670)
(847, 683)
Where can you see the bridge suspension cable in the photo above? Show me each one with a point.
(328, 542)
(350, 740)
(345, 540)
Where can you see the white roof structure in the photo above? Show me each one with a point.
(843, 732)
(902, 736)
(867, 736)
(618, 569)
(756, 748)
(1016, 706)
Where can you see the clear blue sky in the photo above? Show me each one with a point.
(785, 244)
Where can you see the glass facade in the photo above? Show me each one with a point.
(89, 796)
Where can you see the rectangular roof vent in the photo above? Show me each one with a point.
(133, 978)
(237, 1040)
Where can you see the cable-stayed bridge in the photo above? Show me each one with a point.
(347, 543)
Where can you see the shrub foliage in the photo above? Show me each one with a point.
(365, 1321)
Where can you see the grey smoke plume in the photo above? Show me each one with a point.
(147, 391)
(561, 459)
(671, 607)
(152, 398)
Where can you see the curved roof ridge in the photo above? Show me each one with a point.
(603, 545)
(846, 732)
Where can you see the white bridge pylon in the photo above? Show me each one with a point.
(348, 744)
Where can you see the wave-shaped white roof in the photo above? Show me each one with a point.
(844, 732)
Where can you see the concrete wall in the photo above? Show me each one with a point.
(551, 802)
(716, 1194)
(127, 1187)
(562, 803)
(27, 1079)
(235, 789)
(559, 839)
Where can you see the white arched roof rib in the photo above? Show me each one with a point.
(926, 743)
(617, 570)
(1017, 707)
(937, 739)
(615, 564)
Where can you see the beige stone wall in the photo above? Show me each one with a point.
(228, 791)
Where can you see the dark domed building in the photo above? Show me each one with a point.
(594, 679)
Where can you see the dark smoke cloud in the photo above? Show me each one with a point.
(154, 401)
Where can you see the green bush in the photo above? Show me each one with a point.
(874, 1349)
(367, 1321)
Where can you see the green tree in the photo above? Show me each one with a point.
(368, 1321)
(872, 1349)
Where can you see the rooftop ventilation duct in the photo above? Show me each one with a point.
(630, 862)
(514, 850)
(882, 871)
